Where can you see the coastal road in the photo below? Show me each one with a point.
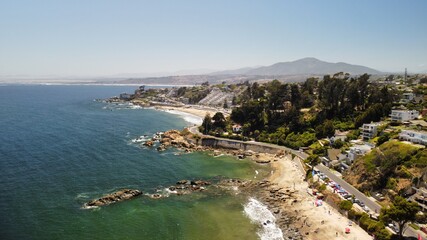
(350, 189)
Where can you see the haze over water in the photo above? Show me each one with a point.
(59, 149)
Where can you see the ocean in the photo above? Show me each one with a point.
(59, 149)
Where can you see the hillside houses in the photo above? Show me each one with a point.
(403, 115)
(417, 137)
(369, 130)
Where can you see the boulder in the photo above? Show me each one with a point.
(148, 143)
(118, 196)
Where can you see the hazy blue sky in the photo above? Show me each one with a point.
(104, 37)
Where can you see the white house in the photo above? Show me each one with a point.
(414, 136)
(357, 151)
(404, 115)
(237, 128)
(369, 130)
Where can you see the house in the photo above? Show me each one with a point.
(333, 154)
(236, 128)
(369, 130)
(357, 151)
(407, 97)
(419, 137)
(403, 115)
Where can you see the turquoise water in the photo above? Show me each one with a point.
(59, 149)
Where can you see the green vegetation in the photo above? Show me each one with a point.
(346, 205)
(374, 227)
(400, 211)
(271, 112)
(388, 161)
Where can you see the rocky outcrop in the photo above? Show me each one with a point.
(124, 194)
(176, 139)
(148, 143)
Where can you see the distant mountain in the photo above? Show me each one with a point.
(305, 66)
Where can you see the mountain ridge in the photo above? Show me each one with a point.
(303, 66)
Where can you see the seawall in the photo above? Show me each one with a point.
(245, 146)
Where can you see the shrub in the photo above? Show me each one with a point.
(391, 183)
(382, 234)
(346, 205)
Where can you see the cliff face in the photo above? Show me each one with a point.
(393, 166)
(360, 177)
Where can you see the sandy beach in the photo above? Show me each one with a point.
(321, 222)
(199, 112)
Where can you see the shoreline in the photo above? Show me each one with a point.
(285, 196)
(322, 222)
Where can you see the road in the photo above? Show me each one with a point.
(350, 189)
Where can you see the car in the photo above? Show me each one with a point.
(361, 204)
(366, 209)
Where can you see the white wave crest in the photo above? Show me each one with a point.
(259, 214)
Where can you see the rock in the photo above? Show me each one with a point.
(118, 196)
(202, 183)
(155, 196)
(161, 148)
(182, 182)
(148, 143)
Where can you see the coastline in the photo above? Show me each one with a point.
(296, 216)
(322, 222)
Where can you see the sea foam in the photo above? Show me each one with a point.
(259, 214)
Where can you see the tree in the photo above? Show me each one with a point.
(225, 104)
(313, 160)
(326, 129)
(400, 211)
(207, 124)
(218, 121)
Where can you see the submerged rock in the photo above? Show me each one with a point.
(118, 196)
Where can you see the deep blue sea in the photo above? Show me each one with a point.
(59, 148)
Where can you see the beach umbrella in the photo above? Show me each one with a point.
(347, 230)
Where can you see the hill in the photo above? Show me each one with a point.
(304, 66)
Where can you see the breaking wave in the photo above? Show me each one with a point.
(259, 214)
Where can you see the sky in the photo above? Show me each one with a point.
(109, 38)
